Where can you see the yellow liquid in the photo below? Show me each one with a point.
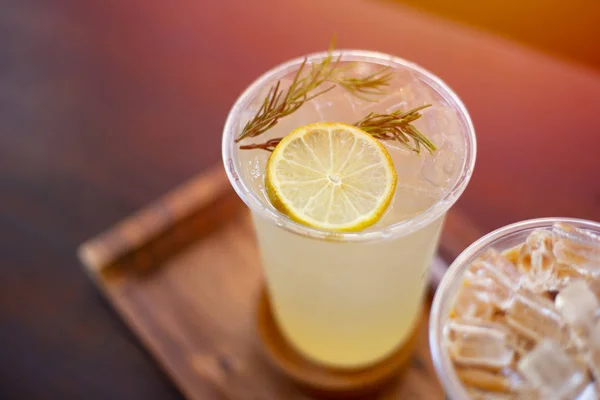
(346, 305)
(350, 305)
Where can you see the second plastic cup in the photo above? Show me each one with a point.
(501, 239)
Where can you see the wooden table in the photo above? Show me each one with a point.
(105, 105)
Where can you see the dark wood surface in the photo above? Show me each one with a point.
(106, 105)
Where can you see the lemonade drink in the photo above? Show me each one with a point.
(348, 300)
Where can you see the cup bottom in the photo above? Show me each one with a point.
(321, 380)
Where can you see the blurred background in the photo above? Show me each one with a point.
(564, 29)
(106, 105)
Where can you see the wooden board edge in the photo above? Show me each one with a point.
(148, 223)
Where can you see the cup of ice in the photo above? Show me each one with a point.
(517, 314)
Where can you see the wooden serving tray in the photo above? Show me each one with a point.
(184, 274)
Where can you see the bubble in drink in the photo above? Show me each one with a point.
(526, 323)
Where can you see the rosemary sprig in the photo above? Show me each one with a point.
(366, 87)
(279, 103)
(276, 105)
(396, 125)
(269, 145)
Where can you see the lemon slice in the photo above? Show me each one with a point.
(331, 176)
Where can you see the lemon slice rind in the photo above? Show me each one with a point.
(331, 176)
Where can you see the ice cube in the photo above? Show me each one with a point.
(394, 96)
(403, 95)
(594, 285)
(498, 275)
(410, 200)
(541, 270)
(536, 318)
(336, 105)
(578, 305)
(578, 247)
(520, 343)
(408, 164)
(505, 381)
(592, 356)
(565, 275)
(549, 369)
(420, 94)
(589, 393)
(441, 168)
(442, 125)
(252, 164)
(580, 236)
(477, 394)
(394, 102)
(478, 344)
(494, 261)
(536, 252)
(360, 69)
(537, 262)
(517, 381)
(512, 254)
(584, 261)
(473, 301)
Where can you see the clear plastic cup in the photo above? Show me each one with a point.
(500, 239)
(345, 300)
